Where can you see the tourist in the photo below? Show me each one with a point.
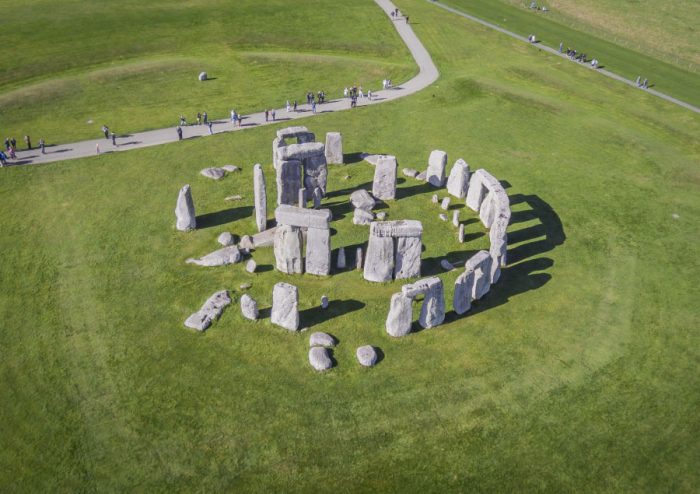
(345, 92)
(369, 94)
(211, 131)
(179, 133)
(13, 142)
(105, 130)
(233, 117)
(28, 142)
(199, 118)
(289, 107)
(11, 151)
(114, 139)
(313, 107)
(295, 105)
(637, 82)
(42, 145)
(406, 19)
(267, 115)
(183, 120)
(645, 84)
(3, 159)
(362, 94)
(97, 147)
(7, 143)
(273, 113)
(205, 118)
(561, 46)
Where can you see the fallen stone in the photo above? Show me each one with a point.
(226, 239)
(455, 218)
(285, 301)
(435, 199)
(398, 322)
(384, 184)
(260, 197)
(324, 302)
(446, 265)
(409, 172)
(319, 358)
(460, 235)
(381, 215)
(263, 239)
(202, 76)
(245, 286)
(250, 266)
(334, 148)
(322, 339)
(458, 181)
(213, 173)
(246, 242)
(361, 199)
(372, 159)
(236, 197)
(362, 217)
(210, 311)
(442, 216)
(231, 168)
(249, 307)
(422, 176)
(340, 263)
(445, 204)
(435, 175)
(367, 356)
(221, 257)
(184, 210)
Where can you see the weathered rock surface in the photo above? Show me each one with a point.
(318, 251)
(213, 173)
(435, 175)
(288, 249)
(362, 217)
(341, 262)
(262, 239)
(379, 261)
(301, 202)
(324, 302)
(362, 199)
(210, 311)
(384, 184)
(304, 218)
(434, 199)
(221, 257)
(184, 210)
(476, 191)
(432, 312)
(288, 181)
(464, 286)
(236, 197)
(367, 355)
(250, 266)
(480, 263)
(285, 310)
(247, 242)
(320, 359)
(358, 258)
(260, 194)
(226, 239)
(445, 204)
(410, 172)
(334, 148)
(408, 262)
(422, 176)
(231, 168)
(455, 218)
(315, 173)
(442, 216)
(460, 235)
(202, 76)
(398, 322)
(322, 339)
(249, 307)
(458, 181)
(317, 196)
(381, 215)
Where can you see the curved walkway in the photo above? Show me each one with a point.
(427, 74)
(554, 51)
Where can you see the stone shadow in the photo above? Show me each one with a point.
(224, 216)
(431, 265)
(550, 227)
(336, 308)
(419, 188)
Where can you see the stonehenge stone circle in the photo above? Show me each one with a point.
(319, 358)
(432, 312)
(285, 306)
(334, 148)
(384, 184)
(213, 173)
(435, 174)
(458, 181)
(289, 240)
(393, 250)
(184, 210)
(221, 257)
(260, 195)
(322, 339)
(249, 307)
(210, 311)
(366, 355)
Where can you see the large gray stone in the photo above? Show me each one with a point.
(379, 261)
(397, 228)
(262, 239)
(435, 175)
(304, 218)
(341, 262)
(498, 258)
(292, 132)
(432, 312)
(320, 359)
(476, 192)
(315, 173)
(213, 173)
(408, 262)
(260, 193)
(221, 257)
(398, 322)
(318, 251)
(285, 306)
(250, 266)
(288, 249)
(184, 210)
(480, 263)
(362, 199)
(362, 217)
(202, 76)
(445, 204)
(464, 286)
(384, 184)
(334, 148)
(367, 355)
(301, 151)
(289, 181)
(226, 239)
(358, 258)
(210, 311)
(458, 181)
(249, 307)
(322, 339)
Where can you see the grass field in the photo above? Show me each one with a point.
(578, 372)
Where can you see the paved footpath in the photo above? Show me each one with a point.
(428, 73)
(554, 51)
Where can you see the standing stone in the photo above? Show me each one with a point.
(317, 196)
(249, 307)
(435, 199)
(398, 322)
(318, 251)
(288, 181)
(445, 205)
(408, 251)
(476, 192)
(315, 173)
(455, 218)
(324, 302)
(379, 262)
(202, 76)
(288, 245)
(464, 286)
(340, 263)
(480, 263)
(384, 185)
(442, 216)
(498, 258)
(458, 181)
(361, 199)
(184, 210)
(362, 217)
(436, 168)
(319, 358)
(433, 311)
(460, 235)
(334, 148)
(366, 356)
(250, 266)
(358, 258)
(285, 306)
(260, 195)
(301, 197)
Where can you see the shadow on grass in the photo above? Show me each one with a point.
(336, 308)
(222, 217)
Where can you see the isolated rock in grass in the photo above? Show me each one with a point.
(367, 355)
(250, 266)
(381, 215)
(226, 239)
(210, 311)
(320, 359)
(213, 173)
(322, 339)
(203, 76)
(285, 306)
(184, 210)
(221, 257)
(231, 168)
(249, 307)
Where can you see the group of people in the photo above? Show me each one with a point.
(578, 57)
(108, 134)
(9, 151)
(642, 84)
(395, 14)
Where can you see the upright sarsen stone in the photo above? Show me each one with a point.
(458, 181)
(408, 262)
(476, 193)
(379, 260)
(384, 184)
(285, 306)
(184, 210)
(464, 285)
(315, 174)
(288, 181)
(435, 174)
(288, 249)
(480, 263)
(334, 148)
(260, 197)
(318, 251)
(398, 322)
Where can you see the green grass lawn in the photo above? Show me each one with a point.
(666, 73)
(578, 372)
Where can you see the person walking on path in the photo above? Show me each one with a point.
(13, 142)
(3, 159)
(274, 115)
(7, 143)
(289, 107)
(12, 153)
(97, 148)
(313, 107)
(561, 47)
(639, 78)
(406, 19)
(199, 118)
(267, 115)
(645, 84)
(183, 120)
(179, 133)
(105, 131)
(28, 142)
(114, 139)
(295, 105)
(211, 132)
(205, 117)
(42, 145)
